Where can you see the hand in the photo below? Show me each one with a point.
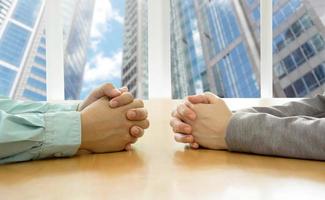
(202, 121)
(116, 97)
(109, 91)
(106, 129)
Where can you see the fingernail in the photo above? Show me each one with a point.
(113, 103)
(135, 130)
(132, 114)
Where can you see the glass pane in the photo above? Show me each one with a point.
(215, 47)
(117, 51)
(22, 67)
(303, 52)
(94, 51)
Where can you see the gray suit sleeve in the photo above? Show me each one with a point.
(294, 130)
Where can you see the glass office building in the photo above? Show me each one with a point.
(19, 22)
(135, 48)
(298, 48)
(23, 47)
(213, 49)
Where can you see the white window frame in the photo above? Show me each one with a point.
(159, 62)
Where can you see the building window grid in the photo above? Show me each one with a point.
(291, 62)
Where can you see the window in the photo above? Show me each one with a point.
(308, 50)
(289, 92)
(209, 45)
(280, 71)
(289, 64)
(300, 88)
(297, 28)
(27, 11)
(13, 44)
(318, 42)
(320, 73)
(310, 81)
(41, 50)
(37, 84)
(33, 95)
(7, 77)
(38, 72)
(298, 57)
(40, 61)
(302, 49)
(219, 47)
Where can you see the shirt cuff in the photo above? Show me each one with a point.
(62, 134)
(63, 107)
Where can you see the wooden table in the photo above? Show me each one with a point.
(159, 168)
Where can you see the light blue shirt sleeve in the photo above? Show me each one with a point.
(37, 130)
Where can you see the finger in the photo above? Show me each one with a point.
(180, 127)
(197, 99)
(212, 97)
(124, 99)
(124, 89)
(137, 114)
(137, 103)
(142, 124)
(136, 132)
(183, 138)
(104, 90)
(194, 145)
(128, 147)
(185, 112)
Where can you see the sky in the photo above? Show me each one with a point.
(104, 60)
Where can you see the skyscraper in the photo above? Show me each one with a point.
(298, 47)
(135, 48)
(213, 49)
(23, 48)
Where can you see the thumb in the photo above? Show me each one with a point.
(212, 98)
(206, 98)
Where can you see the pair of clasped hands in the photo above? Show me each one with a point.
(112, 120)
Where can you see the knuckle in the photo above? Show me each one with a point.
(139, 102)
(108, 86)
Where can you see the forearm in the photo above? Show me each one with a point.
(19, 107)
(32, 136)
(313, 107)
(260, 133)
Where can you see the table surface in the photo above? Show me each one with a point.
(159, 168)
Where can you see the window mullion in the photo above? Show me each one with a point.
(54, 51)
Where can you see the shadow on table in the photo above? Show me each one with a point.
(200, 160)
(111, 165)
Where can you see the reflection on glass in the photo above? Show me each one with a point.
(298, 44)
(215, 47)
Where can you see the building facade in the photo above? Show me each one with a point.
(135, 48)
(298, 48)
(213, 49)
(23, 48)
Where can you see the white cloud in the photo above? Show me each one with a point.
(103, 68)
(103, 14)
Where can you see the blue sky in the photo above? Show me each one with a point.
(105, 48)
